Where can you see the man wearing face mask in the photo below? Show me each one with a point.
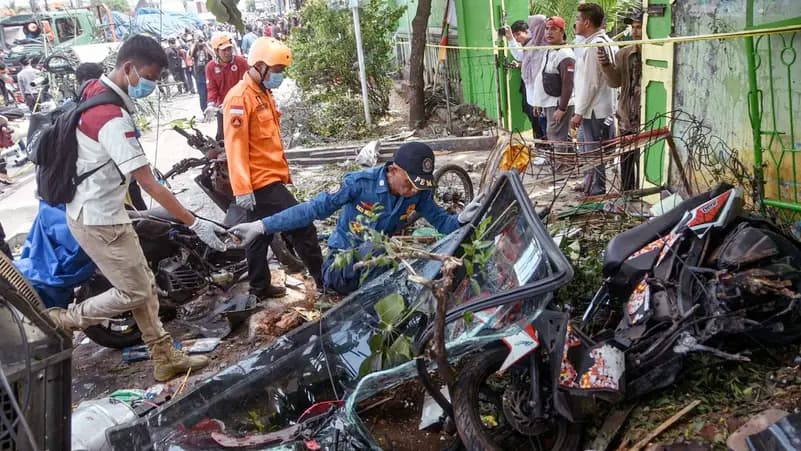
(108, 146)
(257, 166)
(400, 188)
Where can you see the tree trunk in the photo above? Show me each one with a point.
(417, 109)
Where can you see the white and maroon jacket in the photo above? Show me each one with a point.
(105, 132)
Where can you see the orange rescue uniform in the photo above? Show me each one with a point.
(253, 138)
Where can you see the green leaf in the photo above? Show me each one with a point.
(402, 347)
(376, 342)
(390, 308)
(468, 267)
(369, 365)
(475, 288)
(227, 11)
(484, 244)
(468, 318)
(254, 417)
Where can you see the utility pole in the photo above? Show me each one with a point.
(357, 30)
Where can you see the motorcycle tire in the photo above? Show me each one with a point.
(440, 174)
(105, 334)
(475, 436)
(286, 254)
(110, 338)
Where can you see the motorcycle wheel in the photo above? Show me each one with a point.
(453, 190)
(286, 254)
(478, 411)
(117, 334)
(110, 334)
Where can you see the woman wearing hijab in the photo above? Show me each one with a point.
(526, 34)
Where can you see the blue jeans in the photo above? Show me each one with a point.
(200, 80)
(596, 130)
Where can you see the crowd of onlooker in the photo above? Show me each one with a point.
(587, 90)
(191, 53)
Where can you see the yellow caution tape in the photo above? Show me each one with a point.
(660, 41)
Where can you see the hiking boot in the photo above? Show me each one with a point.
(61, 318)
(271, 292)
(169, 362)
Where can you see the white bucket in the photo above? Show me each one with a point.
(93, 418)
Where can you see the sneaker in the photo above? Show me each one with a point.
(5, 179)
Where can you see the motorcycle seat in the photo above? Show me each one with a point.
(155, 212)
(630, 241)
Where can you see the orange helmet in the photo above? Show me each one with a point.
(269, 51)
(221, 41)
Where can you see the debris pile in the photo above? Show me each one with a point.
(465, 120)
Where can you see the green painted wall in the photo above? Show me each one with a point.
(657, 101)
(711, 77)
(478, 70)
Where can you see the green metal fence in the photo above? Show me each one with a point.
(774, 100)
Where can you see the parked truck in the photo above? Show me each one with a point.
(35, 36)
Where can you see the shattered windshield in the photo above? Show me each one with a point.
(505, 248)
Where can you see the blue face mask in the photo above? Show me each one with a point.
(274, 81)
(142, 89)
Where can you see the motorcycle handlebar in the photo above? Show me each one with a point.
(184, 165)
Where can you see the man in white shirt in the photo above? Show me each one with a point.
(25, 80)
(108, 145)
(594, 99)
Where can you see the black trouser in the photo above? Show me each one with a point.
(270, 200)
(30, 100)
(629, 167)
(529, 111)
(8, 98)
(219, 136)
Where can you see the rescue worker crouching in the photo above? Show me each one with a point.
(257, 166)
(400, 187)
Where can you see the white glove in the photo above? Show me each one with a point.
(207, 231)
(471, 209)
(210, 112)
(246, 201)
(247, 232)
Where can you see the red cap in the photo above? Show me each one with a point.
(555, 21)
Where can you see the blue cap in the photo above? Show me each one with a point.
(417, 159)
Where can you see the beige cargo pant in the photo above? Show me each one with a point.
(116, 251)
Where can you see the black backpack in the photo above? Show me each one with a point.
(53, 147)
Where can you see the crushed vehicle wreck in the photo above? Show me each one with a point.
(692, 281)
(321, 361)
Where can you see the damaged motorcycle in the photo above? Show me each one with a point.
(704, 278)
